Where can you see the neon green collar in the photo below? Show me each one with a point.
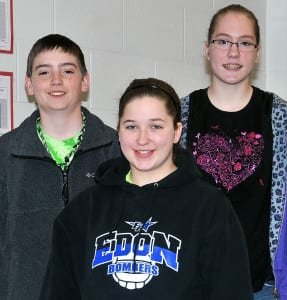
(129, 177)
(61, 151)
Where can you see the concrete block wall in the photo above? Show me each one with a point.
(127, 39)
(276, 47)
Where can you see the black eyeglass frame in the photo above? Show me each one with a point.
(230, 44)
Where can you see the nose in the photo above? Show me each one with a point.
(143, 137)
(56, 78)
(233, 50)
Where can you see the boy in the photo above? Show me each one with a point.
(49, 159)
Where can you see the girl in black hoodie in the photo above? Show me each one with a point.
(150, 228)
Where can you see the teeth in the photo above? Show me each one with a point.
(57, 93)
(232, 66)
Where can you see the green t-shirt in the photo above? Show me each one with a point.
(61, 151)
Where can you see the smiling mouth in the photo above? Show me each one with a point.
(232, 67)
(59, 93)
(143, 153)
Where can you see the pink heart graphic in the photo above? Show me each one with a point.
(228, 161)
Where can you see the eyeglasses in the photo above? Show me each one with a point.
(225, 45)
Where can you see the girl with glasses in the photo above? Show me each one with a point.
(237, 134)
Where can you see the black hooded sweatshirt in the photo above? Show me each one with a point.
(174, 239)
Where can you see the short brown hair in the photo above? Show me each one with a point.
(55, 41)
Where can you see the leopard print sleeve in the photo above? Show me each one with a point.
(279, 167)
(185, 102)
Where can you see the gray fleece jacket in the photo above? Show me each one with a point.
(32, 193)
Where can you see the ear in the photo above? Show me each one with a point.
(177, 133)
(258, 54)
(206, 50)
(85, 83)
(29, 86)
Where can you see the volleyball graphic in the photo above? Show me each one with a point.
(133, 271)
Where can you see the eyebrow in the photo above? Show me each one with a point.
(157, 119)
(61, 65)
(153, 120)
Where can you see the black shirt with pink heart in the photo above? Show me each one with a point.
(234, 151)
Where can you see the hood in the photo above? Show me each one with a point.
(139, 203)
(113, 172)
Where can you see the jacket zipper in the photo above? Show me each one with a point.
(65, 190)
(65, 187)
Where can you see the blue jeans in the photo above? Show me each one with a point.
(266, 293)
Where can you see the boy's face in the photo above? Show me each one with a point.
(56, 81)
